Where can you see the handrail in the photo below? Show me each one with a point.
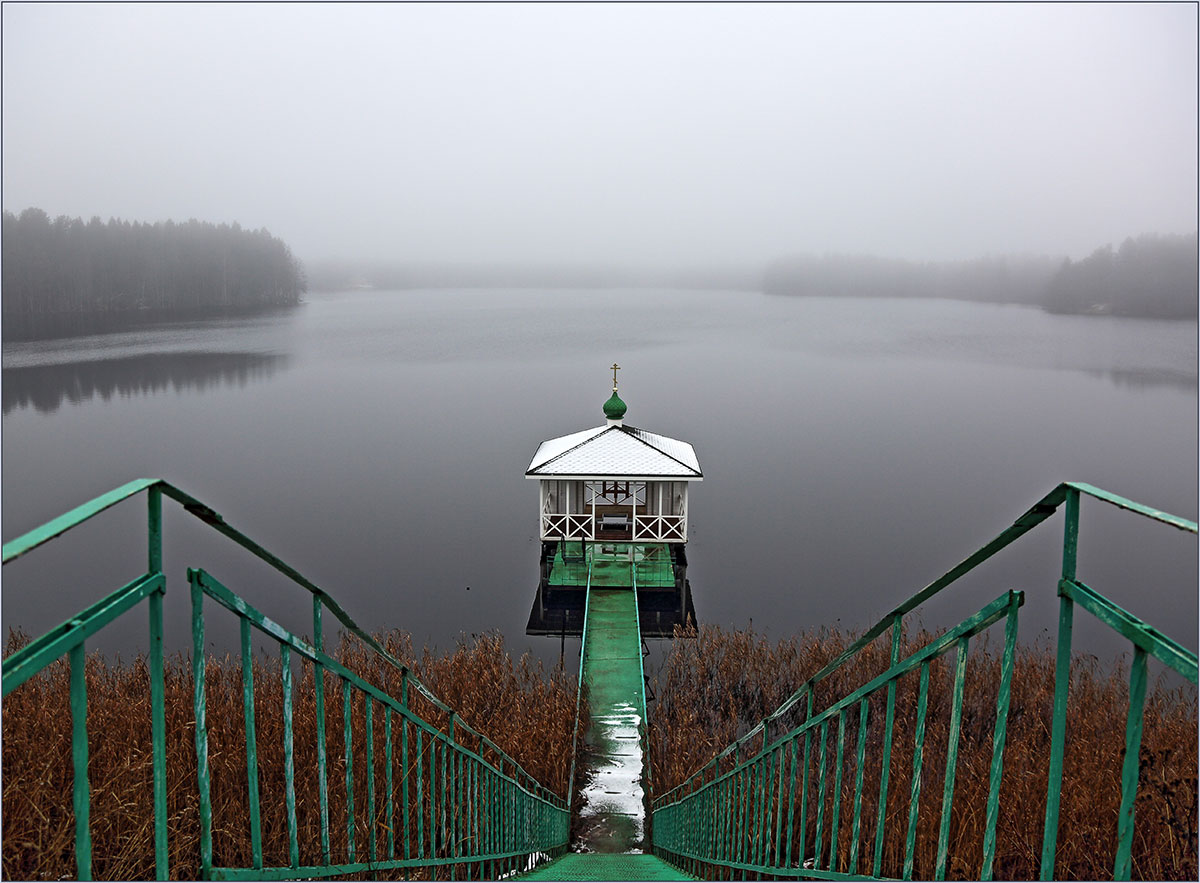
(57, 526)
(713, 788)
(68, 639)
(1130, 505)
(587, 601)
(530, 820)
(752, 796)
(1030, 519)
(37, 654)
(644, 736)
(81, 513)
(637, 619)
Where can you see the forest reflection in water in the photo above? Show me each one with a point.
(47, 387)
(1147, 379)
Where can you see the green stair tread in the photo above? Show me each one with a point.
(595, 866)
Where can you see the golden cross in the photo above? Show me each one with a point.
(615, 368)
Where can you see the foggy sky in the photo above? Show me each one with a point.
(630, 133)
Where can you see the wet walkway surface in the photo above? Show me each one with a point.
(613, 816)
(611, 828)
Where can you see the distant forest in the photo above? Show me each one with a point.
(1151, 276)
(67, 266)
(1154, 276)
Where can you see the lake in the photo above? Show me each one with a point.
(853, 450)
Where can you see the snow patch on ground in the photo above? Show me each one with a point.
(616, 784)
(531, 861)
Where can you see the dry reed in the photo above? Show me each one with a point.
(527, 711)
(715, 685)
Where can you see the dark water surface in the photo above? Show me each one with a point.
(853, 451)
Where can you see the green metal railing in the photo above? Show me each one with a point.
(458, 807)
(587, 603)
(644, 728)
(742, 813)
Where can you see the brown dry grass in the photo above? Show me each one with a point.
(716, 685)
(527, 711)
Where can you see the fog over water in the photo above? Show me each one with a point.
(853, 450)
(627, 133)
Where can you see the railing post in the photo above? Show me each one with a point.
(404, 775)
(1070, 534)
(387, 765)
(348, 734)
(1131, 765)
(856, 830)
(369, 727)
(803, 847)
(960, 677)
(319, 699)
(787, 850)
(198, 709)
(289, 760)
(158, 725)
(999, 736)
(1062, 678)
(154, 529)
(251, 744)
(81, 796)
(158, 735)
(885, 770)
(448, 785)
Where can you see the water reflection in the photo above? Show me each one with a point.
(46, 387)
(1148, 379)
(884, 440)
(57, 326)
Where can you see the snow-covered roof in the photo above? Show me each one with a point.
(615, 451)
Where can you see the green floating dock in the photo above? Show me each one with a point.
(613, 564)
(594, 866)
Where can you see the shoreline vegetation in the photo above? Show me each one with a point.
(1150, 276)
(69, 276)
(66, 277)
(714, 685)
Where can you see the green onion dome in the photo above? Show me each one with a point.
(614, 408)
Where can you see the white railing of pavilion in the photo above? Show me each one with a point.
(659, 528)
(567, 526)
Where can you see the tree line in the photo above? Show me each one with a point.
(68, 266)
(996, 279)
(1150, 276)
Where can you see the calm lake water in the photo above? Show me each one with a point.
(853, 451)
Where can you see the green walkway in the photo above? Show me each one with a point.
(591, 866)
(611, 828)
(613, 816)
